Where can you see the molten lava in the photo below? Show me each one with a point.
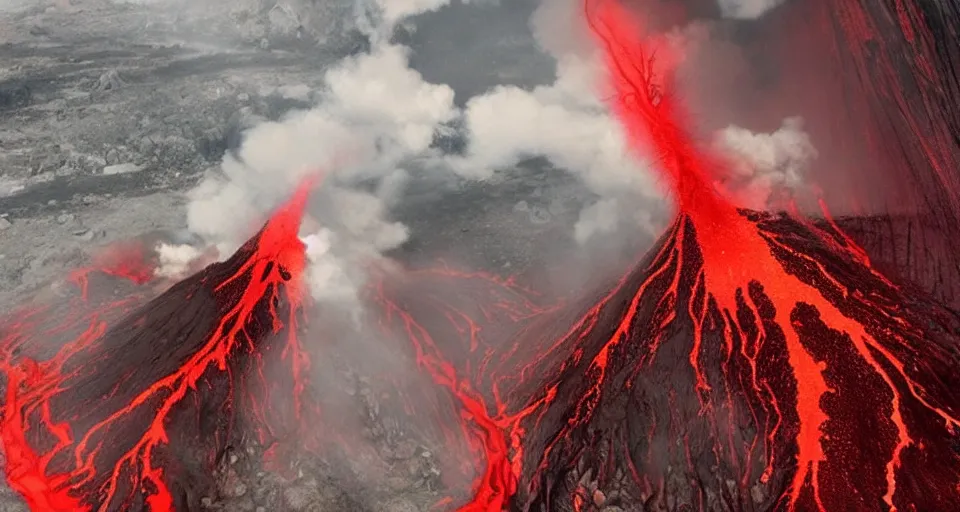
(751, 362)
(129, 405)
(456, 323)
(877, 85)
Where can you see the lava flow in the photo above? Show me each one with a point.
(456, 323)
(129, 405)
(877, 85)
(752, 361)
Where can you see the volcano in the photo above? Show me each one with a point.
(809, 384)
(806, 380)
(751, 361)
(128, 405)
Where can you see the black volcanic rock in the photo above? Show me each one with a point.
(909, 249)
(657, 398)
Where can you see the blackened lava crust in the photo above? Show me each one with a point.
(654, 431)
(134, 414)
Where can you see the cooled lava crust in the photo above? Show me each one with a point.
(128, 405)
(671, 403)
(751, 362)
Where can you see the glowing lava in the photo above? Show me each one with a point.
(817, 383)
(130, 409)
(751, 362)
(456, 323)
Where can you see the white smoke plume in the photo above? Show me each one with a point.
(175, 261)
(766, 166)
(374, 116)
(568, 123)
(746, 9)
(377, 19)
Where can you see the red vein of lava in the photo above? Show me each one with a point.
(737, 257)
(734, 252)
(277, 260)
(484, 431)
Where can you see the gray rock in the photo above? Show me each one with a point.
(113, 157)
(299, 497)
(283, 21)
(85, 234)
(14, 96)
(126, 168)
(5, 224)
(64, 218)
(110, 81)
(177, 152)
(146, 145)
(539, 215)
(400, 505)
(50, 164)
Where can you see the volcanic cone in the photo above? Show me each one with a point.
(751, 361)
(131, 411)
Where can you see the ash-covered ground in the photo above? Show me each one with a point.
(111, 111)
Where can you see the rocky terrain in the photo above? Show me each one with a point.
(105, 118)
(110, 111)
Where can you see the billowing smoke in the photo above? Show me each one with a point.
(746, 9)
(766, 167)
(378, 18)
(176, 262)
(567, 123)
(374, 117)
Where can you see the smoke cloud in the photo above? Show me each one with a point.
(175, 261)
(568, 123)
(383, 15)
(766, 167)
(746, 9)
(375, 118)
